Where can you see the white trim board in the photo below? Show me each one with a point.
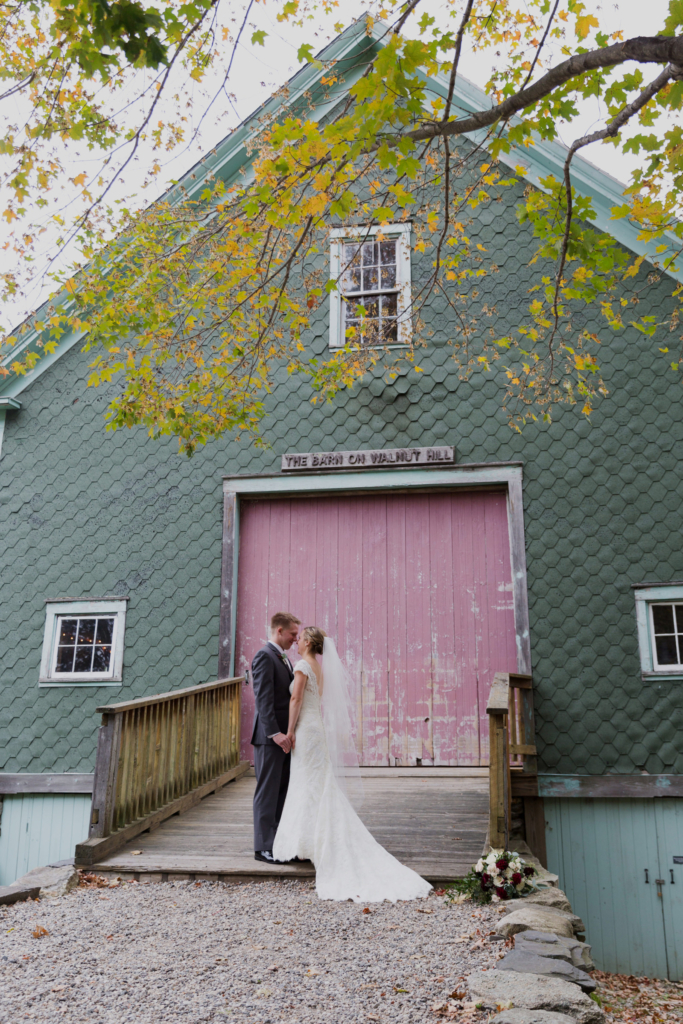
(509, 477)
(373, 480)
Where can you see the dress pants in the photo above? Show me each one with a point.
(272, 779)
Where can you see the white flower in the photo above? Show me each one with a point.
(479, 866)
(508, 872)
(495, 899)
(498, 880)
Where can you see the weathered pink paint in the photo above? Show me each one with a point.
(417, 591)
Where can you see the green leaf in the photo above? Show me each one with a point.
(258, 37)
(304, 53)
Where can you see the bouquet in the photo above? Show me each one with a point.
(500, 875)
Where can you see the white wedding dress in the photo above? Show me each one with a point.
(318, 823)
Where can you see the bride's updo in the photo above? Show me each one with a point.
(315, 637)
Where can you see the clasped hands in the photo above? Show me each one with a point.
(287, 742)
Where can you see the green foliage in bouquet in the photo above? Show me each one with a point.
(501, 875)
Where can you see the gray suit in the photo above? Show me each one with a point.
(271, 678)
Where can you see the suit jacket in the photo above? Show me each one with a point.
(271, 678)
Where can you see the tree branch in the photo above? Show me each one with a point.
(643, 49)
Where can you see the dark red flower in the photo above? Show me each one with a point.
(485, 879)
(528, 871)
(484, 885)
(502, 863)
(516, 878)
(500, 891)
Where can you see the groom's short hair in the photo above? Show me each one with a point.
(281, 620)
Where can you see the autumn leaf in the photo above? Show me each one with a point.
(584, 23)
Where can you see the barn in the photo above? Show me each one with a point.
(408, 520)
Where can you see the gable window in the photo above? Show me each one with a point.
(659, 614)
(83, 642)
(371, 304)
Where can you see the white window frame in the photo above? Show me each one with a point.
(103, 607)
(401, 232)
(646, 597)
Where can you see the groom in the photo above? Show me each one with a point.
(271, 674)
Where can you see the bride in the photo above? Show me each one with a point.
(318, 822)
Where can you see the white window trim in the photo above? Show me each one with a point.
(645, 597)
(54, 610)
(338, 236)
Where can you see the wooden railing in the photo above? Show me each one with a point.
(158, 756)
(512, 748)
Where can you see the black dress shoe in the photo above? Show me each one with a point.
(266, 856)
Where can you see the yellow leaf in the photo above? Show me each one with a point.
(80, 179)
(584, 24)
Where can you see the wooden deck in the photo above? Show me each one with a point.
(432, 819)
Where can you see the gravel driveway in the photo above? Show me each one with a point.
(250, 953)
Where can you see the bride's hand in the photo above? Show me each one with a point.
(291, 736)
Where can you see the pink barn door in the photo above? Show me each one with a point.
(416, 590)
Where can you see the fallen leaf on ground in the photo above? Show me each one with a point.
(38, 932)
(372, 1016)
(629, 1000)
(366, 910)
(58, 988)
(424, 910)
(89, 880)
(136, 853)
(311, 972)
(396, 989)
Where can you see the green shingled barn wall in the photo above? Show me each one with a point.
(89, 513)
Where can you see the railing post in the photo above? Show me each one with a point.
(106, 771)
(499, 762)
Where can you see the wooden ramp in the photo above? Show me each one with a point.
(432, 819)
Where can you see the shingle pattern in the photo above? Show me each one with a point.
(89, 513)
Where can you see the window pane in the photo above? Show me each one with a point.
(371, 280)
(666, 650)
(101, 659)
(83, 661)
(388, 277)
(105, 631)
(663, 618)
(67, 631)
(65, 659)
(86, 631)
(369, 254)
(388, 253)
(389, 305)
(679, 617)
(389, 331)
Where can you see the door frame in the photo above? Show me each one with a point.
(507, 475)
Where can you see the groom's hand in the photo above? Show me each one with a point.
(282, 741)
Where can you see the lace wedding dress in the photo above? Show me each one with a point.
(318, 823)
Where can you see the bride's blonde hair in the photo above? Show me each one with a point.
(315, 637)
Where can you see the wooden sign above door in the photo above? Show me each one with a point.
(370, 459)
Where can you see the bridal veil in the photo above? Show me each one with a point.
(339, 720)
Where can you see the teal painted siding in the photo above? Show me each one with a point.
(601, 850)
(37, 830)
(87, 513)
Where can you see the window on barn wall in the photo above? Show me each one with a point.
(659, 614)
(83, 642)
(371, 305)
